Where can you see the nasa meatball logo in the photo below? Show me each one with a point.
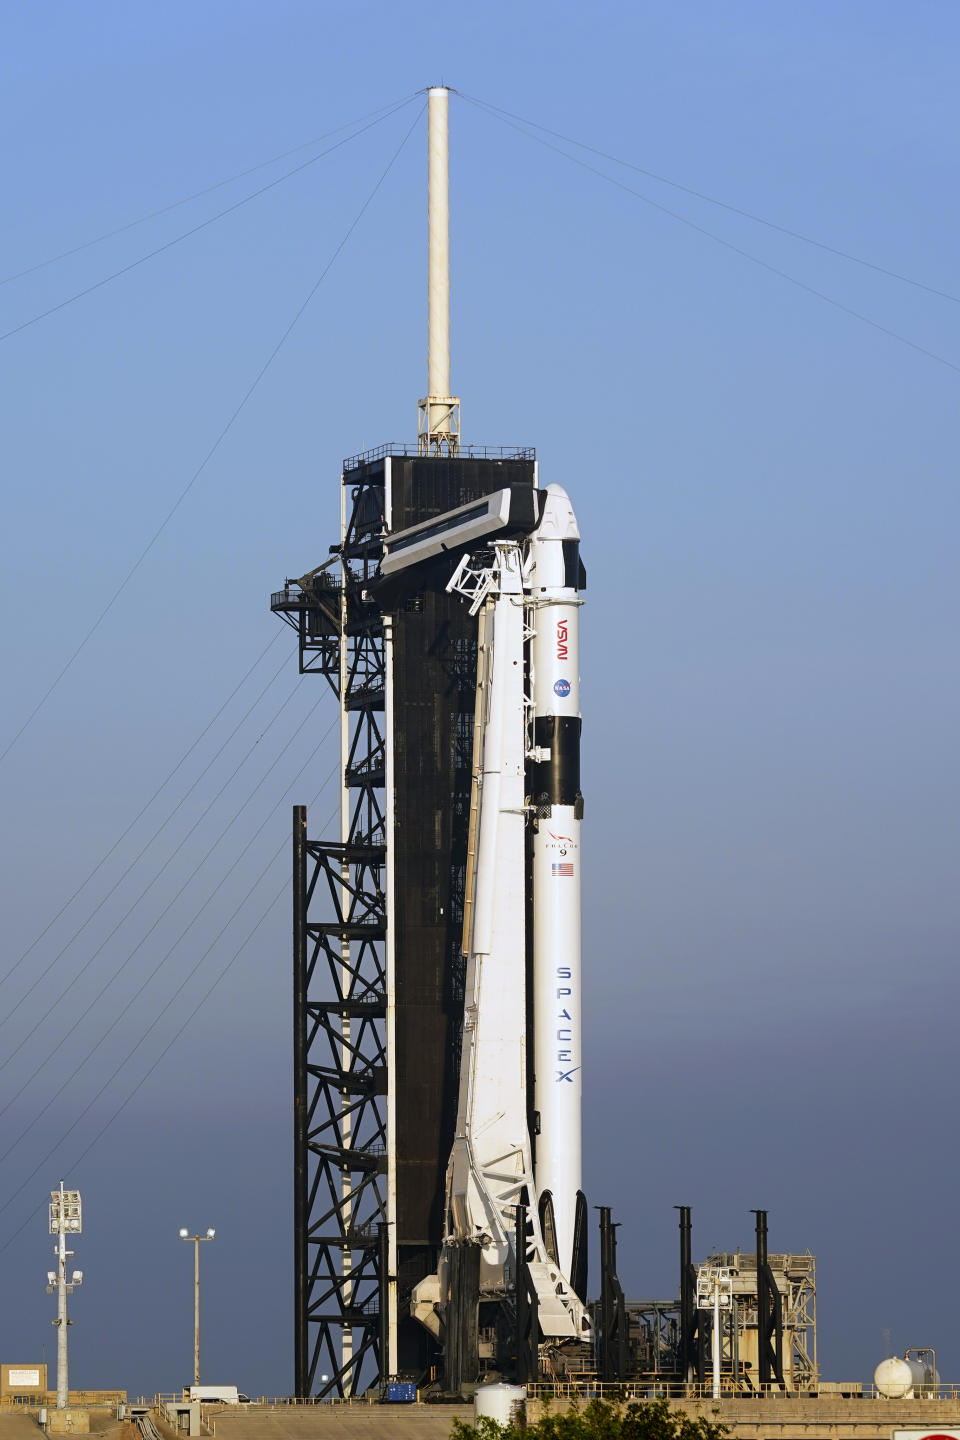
(562, 688)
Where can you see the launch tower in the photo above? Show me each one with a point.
(382, 956)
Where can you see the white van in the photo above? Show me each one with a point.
(218, 1395)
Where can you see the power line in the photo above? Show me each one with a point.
(721, 204)
(380, 112)
(143, 810)
(213, 449)
(159, 830)
(719, 240)
(129, 1003)
(164, 1052)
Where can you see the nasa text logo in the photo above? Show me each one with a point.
(562, 688)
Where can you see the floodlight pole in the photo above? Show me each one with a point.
(196, 1310)
(63, 1383)
(715, 1292)
(64, 1217)
(185, 1235)
(715, 1339)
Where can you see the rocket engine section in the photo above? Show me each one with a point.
(556, 578)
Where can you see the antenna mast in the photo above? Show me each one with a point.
(439, 422)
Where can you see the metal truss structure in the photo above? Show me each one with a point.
(655, 1327)
(340, 983)
(800, 1317)
(654, 1339)
(795, 1277)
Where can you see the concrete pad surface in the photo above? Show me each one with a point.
(353, 1422)
(18, 1427)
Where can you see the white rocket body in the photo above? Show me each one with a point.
(558, 806)
(491, 1163)
(526, 775)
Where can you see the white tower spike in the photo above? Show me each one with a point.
(439, 423)
(438, 212)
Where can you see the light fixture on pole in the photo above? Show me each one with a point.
(185, 1235)
(65, 1219)
(715, 1292)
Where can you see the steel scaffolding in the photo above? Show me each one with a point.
(340, 982)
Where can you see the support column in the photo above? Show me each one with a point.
(196, 1309)
(300, 1102)
(688, 1321)
(63, 1381)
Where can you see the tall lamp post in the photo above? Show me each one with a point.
(715, 1292)
(65, 1219)
(185, 1235)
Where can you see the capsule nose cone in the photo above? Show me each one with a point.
(559, 521)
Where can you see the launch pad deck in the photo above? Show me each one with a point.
(796, 1416)
(792, 1416)
(355, 1420)
(802, 1415)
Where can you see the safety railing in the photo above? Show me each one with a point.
(293, 1402)
(252, 1402)
(585, 1388)
(81, 1399)
(466, 452)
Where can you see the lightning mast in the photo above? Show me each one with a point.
(439, 422)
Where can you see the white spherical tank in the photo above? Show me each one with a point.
(502, 1403)
(894, 1378)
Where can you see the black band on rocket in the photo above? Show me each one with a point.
(574, 574)
(557, 781)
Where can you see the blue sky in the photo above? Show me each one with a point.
(766, 490)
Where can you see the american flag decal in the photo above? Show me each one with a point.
(564, 870)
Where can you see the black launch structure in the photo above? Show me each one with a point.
(769, 1314)
(610, 1316)
(377, 926)
(691, 1351)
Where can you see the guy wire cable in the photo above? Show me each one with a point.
(129, 1003)
(142, 811)
(727, 244)
(213, 449)
(144, 892)
(380, 112)
(284, 889)
(195, 229)
(115, 975)
(712, 200)
(142, 1081)
(159, 830)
